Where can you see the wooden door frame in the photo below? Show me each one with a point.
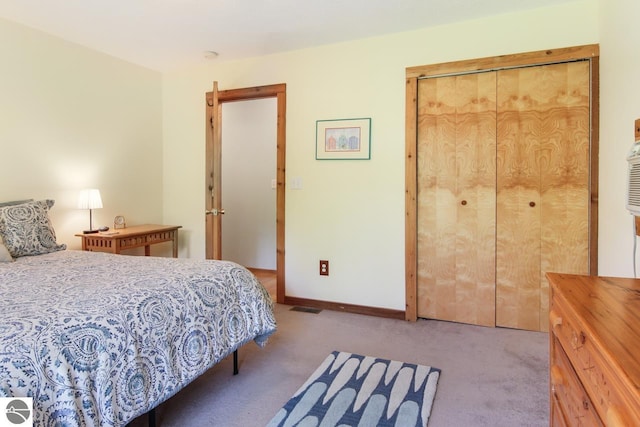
(413, 74)
(213, 165)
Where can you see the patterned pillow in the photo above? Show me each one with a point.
(27, 230)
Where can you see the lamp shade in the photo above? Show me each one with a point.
(89, 199)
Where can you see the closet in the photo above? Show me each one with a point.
(501, 184)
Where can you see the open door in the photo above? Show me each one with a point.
(213, 182)
(213, 192)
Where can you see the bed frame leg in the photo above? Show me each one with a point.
(151, 416)
(152, 413)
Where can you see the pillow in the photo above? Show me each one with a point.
(5, 256)
(15, 202)
(27, 230)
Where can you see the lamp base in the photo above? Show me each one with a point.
(89, 231)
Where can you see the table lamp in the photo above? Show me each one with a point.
(90, 199)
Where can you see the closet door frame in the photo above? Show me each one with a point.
(413, 74)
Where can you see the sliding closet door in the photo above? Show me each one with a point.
(543, 201)
(456, 155)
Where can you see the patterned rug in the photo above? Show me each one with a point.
(352, 390)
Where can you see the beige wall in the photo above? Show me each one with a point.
(72, 118)
(349, 212)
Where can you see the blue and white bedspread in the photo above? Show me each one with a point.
(98, 339)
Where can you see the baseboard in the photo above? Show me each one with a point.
(348, 308)
(262, 270)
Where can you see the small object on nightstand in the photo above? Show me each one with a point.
(103, 229)
(118, 222)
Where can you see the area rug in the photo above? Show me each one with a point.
(352, 390)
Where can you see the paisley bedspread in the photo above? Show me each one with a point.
(98, 339)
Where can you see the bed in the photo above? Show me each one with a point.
(98, 339)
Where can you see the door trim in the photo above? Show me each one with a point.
(413, 74)
(212, 174)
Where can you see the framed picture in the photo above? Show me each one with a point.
(343, 139)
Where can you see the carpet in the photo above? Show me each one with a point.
(352, 390)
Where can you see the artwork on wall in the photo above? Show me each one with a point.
(343, 139)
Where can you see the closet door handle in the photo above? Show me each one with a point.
(532, 204)
(463, 203)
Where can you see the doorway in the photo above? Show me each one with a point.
(214, 202)
(248, 183)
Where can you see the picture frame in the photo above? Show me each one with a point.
(343, 139)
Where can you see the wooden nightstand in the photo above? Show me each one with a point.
(115, 241)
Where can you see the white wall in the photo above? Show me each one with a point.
(619, 108)
(248, 168)
(72, 118)
(348, 212)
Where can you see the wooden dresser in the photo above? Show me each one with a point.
(594, 335)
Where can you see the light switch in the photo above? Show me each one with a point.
(296, 183)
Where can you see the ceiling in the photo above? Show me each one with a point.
(166, 35)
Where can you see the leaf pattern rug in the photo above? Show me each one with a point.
(352, 390)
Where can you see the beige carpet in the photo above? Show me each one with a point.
(490, 377)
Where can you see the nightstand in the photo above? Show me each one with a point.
(115, 241)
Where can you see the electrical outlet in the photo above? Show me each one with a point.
(324, 267)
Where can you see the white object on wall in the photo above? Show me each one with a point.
(633, 179)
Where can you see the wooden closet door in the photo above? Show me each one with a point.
(456, 193)
(542, 217)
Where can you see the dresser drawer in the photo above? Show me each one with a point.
(575, 407)
(557, 417)
(591, 368)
